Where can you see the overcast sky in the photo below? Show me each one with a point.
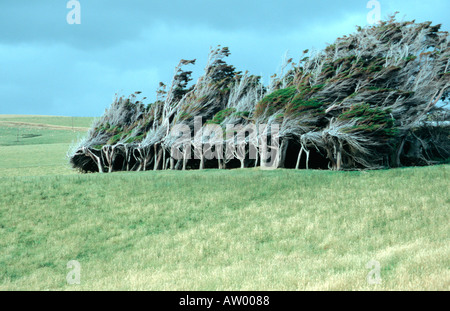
(49, 67)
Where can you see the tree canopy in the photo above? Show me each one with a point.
(374, 99)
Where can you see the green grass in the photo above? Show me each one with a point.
(30, 150)
(34, 160)
(220, 230)
(49, 120)
(26, 136)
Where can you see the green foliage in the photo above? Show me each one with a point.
(294, 100)
(330, 48)
(410, 58)
(374, 120)
(221, 115)
(184, 116)
(241, 114)
(299, 105)
(135, 139)
(375, 68)
(113, 140)
(275, 101)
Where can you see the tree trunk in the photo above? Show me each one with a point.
(263, 156)
(257, 158)
(127, 157)
(184, 160)
(167, 163)
(144, 166)
(178, 165)
(138, 160)
(164, 158)
(157, 159)
(399, 152)
(107, 153)
(283, 150)
(202, 162)
(96, 159)
(339, 157)
(331, 158)
(297, 165)
(338, 160)
(307, 159)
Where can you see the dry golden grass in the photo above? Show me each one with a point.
(227, 230)
(217, 230)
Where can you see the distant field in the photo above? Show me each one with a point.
(78, 122)
(32, 145)
(217, 230)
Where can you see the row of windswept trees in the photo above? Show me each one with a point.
(374, 99)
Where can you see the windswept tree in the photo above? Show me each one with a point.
(376, 98)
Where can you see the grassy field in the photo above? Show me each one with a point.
(78, 122)
(37, 145)
(217, 230)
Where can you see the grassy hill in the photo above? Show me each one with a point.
(215, 230)
(47, 121)
(37, 145)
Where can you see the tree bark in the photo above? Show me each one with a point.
(157, 158)
(307, 159)
(339, 157)
(399, 153)
(163, 158)
(178, 165)
(184, 160)
(96, 159)
(283, 150)
(297, 165)
(202, 162)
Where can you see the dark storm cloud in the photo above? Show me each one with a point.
(110, 22)
(50, 67)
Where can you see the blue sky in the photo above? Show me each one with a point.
(49, 67)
